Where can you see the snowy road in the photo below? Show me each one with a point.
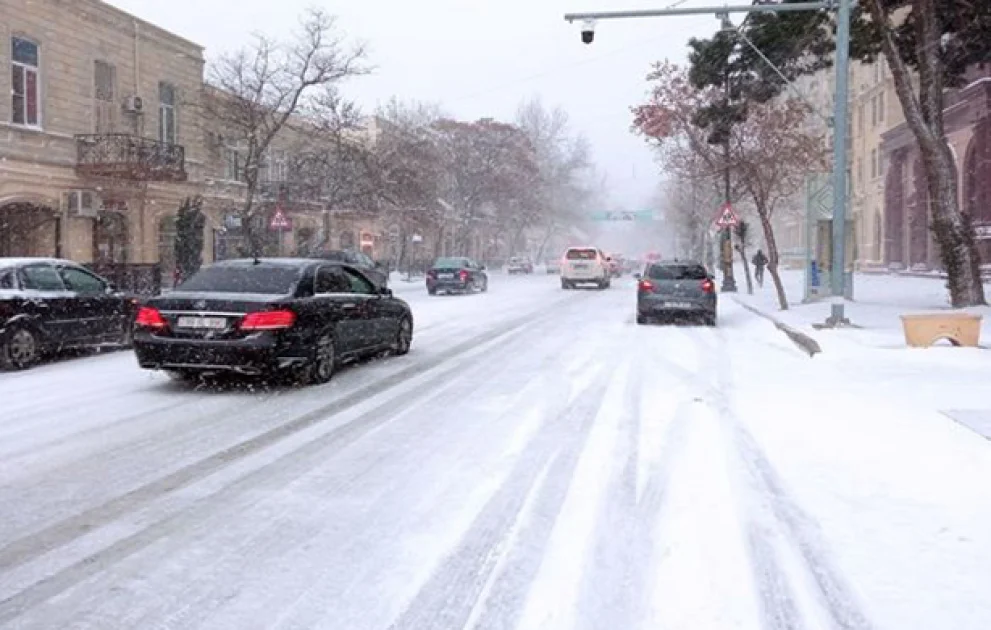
(538, 461)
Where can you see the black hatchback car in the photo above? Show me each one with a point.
(456, 275)
(294, 317)
(48, 305)
(676, 289)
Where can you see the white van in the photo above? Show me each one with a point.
(584, 265)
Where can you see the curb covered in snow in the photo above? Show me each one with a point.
(800, 339)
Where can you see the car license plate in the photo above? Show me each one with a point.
(677, 305)
(212, 323)
(445, 276)
(581, 266)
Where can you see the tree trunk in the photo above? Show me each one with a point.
(956, 243)
(746, 268)
(543, 243)
(772, 257)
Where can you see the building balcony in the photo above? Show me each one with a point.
(290, 191)
(123, 156)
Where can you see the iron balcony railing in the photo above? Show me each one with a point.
(124, 156)
(291, 190)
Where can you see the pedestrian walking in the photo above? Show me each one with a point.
(760, 261)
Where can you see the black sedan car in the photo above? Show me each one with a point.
(456, 275)
(48, 305)
(293, 317)
(676, 289)
(374, 271)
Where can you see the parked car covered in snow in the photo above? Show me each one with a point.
(48, 305)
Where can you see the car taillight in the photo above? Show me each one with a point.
(148, 317)
(268, 320)
(464, 276)
(646, 286)
(708, 286)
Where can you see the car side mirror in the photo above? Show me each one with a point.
(481, 267)
(110, 288)
(638, 275)
(385, 291)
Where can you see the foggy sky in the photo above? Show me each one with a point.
(480, 58)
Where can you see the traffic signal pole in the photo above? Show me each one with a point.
(843, 9)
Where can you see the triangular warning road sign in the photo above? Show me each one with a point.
(727, 217)
(279, 220)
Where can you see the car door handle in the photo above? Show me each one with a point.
(349, 306)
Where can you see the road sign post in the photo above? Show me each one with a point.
(280, 223)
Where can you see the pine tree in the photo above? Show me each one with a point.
(189, 237)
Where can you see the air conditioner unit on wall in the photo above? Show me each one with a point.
(134, 105)
(81, 203)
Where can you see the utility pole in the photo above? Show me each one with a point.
(726, 237)
(838, 275)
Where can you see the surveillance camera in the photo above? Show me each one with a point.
(588, 31)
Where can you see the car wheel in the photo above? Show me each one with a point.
(642, 319)
(565, 285)
(710, 320)
(324, 361)
(21, 350)
(404, 338)
(432, 291)
(485, 285)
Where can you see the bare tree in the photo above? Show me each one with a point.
(411, 168)
(742, 233)
(565, 167)
(770, 152)
(254, 93)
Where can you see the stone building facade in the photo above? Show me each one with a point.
(94, 138)
(874, 109)
(103, 136)
(908, 240)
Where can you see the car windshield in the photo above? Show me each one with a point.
(449, 263)
(677, 272)
(581, 254)
(260, 279)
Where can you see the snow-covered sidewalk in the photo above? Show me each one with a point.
(951, 380)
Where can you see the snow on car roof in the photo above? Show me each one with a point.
(20, 262)
(277, 262)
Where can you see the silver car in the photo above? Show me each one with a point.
(670, 289)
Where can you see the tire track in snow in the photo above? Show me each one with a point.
(797, 528)
(614, 587)
(469, 577)
(34, 546)
(361, 533)
(242, 557)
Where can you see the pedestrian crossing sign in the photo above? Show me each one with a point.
(727, 217)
